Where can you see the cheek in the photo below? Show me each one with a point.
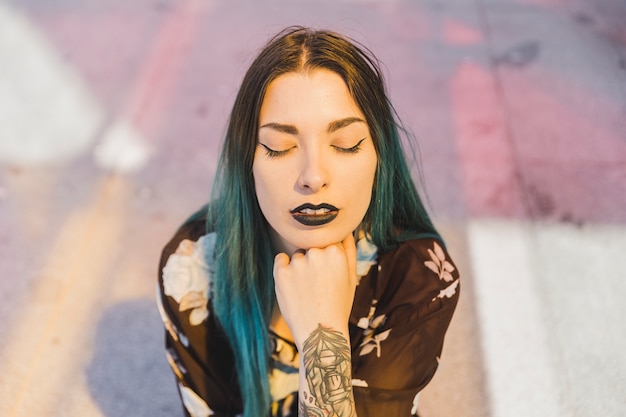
(267, 186)
(360, 185)
(365, 181)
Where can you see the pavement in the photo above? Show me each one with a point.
(111, 116)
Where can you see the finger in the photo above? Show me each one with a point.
(349, 247)
(280, 261)
(297, 257)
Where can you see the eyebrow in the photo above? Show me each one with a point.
(332, 126)
(292, 130)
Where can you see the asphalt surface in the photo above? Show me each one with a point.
(111, 117)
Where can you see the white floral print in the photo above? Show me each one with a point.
(438, 263)
(364, 322)
(373, 337)
(372, 334)
(440, 266)
(186, 278)
(359, 383)
(449, 291)
(194, 404)
(178, 370)
(169, 326)
(415, 402)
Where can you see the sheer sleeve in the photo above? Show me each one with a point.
(196, 349)
(396, 346)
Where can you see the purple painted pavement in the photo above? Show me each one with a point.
(518, 107)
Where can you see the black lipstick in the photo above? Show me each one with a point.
(315, 215)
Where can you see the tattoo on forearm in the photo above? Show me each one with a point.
(326, 357)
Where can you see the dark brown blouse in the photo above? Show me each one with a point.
(403, 305)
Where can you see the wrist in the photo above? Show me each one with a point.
(326, 373)
(339, 333)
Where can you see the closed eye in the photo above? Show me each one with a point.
(353, 149)
(271, 153)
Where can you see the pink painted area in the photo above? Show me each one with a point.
(156, 80)
(486, 158)
(131, 60)
(546, 3)
(568, 145)
(560, 120)
(103, 45)
(460, 33)
(413, 27)
(569, 137)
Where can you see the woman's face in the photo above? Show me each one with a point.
(315, 161)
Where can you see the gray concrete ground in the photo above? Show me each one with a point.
(111, 114)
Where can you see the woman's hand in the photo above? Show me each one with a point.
(315, 292)
(316, 287)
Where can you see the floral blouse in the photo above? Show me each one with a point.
(402, 308)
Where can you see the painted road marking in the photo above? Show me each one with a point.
(546, 296)
(47, 113)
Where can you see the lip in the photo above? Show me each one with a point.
(329, 214)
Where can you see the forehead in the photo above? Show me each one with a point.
(308, 97)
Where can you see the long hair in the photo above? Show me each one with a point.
(243, 285)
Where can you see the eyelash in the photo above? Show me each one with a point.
(356, 148)
(271, 153)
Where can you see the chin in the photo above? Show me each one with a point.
(319, 241)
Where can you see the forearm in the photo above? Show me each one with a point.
(326, 374)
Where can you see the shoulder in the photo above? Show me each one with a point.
(415, 292)
(197, 349)
(191, 230)
(418, 271)
(186, 270)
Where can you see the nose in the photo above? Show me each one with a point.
(314, 175)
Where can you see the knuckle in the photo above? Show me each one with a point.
(314, 251)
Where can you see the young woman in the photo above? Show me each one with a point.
(270, 306)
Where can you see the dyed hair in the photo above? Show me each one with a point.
(243, 285)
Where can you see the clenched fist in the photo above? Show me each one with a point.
(316, 287)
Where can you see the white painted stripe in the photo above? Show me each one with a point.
(47, 113)
(521, 368)
(583, 272)
(122, 149)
